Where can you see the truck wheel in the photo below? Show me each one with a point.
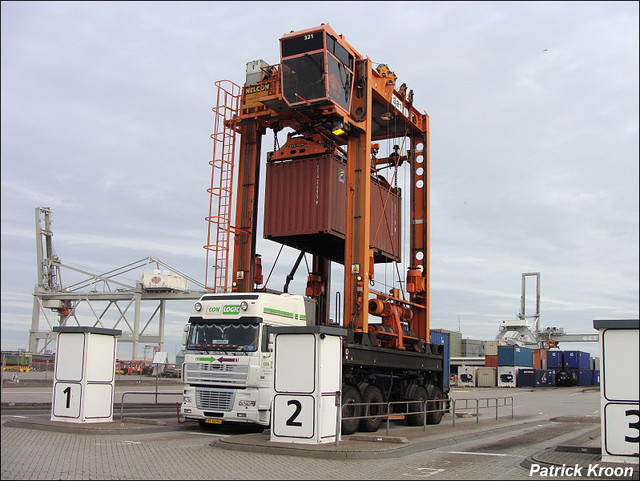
(350, 396)
(419, 396)
(436, 416)
(372, 394)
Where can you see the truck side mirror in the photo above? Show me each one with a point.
(184, 337)
(264, 342)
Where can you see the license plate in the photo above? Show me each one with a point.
(213, 421)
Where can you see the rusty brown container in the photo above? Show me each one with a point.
(490, 360)
(539, 358)
(305, 208)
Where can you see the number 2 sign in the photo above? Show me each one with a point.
(293, 415)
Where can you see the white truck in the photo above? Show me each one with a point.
(228, 362)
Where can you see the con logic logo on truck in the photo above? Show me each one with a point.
(229, 310)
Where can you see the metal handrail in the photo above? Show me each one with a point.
(178, 393)
(487, 402)
(387, 411)
(443, 405)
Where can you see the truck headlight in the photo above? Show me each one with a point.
(197, 306)
(246, 403)
(186, 399)
(244, 305)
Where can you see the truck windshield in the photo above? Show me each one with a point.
(223, 336)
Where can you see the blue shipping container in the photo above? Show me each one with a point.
(566, 377)
(545, 377)
(595, 377)
(526, 378)
(515, 356)
(583, 376)
(576, 360)
(442, 338)
(555, 359)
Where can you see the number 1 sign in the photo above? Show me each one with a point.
(83, 385)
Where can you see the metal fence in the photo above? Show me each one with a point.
(454, 406)
(156, 393)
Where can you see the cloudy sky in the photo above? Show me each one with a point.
(106, 119)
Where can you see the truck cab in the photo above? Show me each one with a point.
(228, 364)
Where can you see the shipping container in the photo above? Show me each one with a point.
(514, 356)
(507, 375)
(491, 361)
(576, 360)
(486, 377)
(539, 358)
(442, 339)
(455, 341)
(491, 347)
(583, 376)
(305, 208)
(595, 377)
(526, 377)
(545, 377)
(467, 376)
(555, 359)
(566, 377)
(472, 348)
(596, 363)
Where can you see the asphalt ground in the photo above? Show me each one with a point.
(553, 427)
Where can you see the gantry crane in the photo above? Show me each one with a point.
(331, 96)
(325, 195)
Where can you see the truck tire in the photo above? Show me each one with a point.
(350, 395)
(436, 416)
(371, 424)
(419, 396)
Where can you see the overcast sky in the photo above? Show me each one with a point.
(106, 118)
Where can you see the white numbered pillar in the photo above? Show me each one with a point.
(83, 384)
(619, 374)
(307, 379)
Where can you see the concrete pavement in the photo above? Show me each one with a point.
(162, 448)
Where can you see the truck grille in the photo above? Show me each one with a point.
(214, 399)
(232, 375)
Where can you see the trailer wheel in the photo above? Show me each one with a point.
(350, 396)
(372, 394)
(436, 416)
(419, 396)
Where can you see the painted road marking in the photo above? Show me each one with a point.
(484, 454)
(425, 472)
(212, 434)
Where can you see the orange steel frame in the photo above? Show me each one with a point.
(374, 89)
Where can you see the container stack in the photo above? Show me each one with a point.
(510, 359)
(491, 353)
(578, 363)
